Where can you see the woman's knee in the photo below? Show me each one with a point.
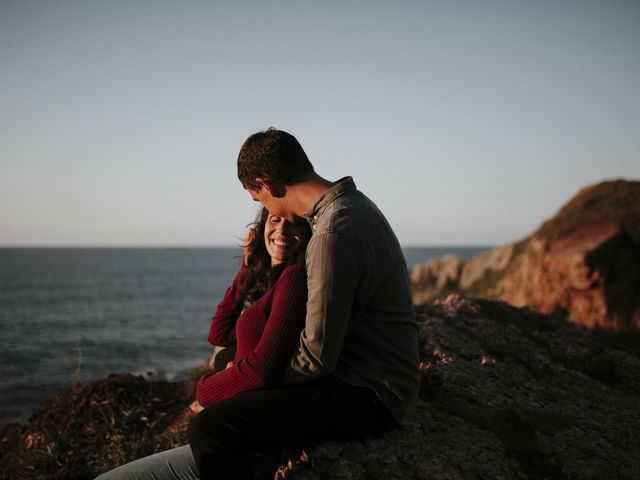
(218, 426)
(205, 428)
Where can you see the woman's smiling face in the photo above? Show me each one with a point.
(283, 238)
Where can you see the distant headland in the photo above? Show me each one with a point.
(585, 262)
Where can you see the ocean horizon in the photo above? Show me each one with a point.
(80, 313)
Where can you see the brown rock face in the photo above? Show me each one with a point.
(436, 276)
(585, 261)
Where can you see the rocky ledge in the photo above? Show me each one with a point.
(507, 393)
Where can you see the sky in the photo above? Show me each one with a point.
(466, 122)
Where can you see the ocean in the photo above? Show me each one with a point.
(82, 313)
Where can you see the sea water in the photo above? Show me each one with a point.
(75, 314)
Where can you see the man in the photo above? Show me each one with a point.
(356, 370)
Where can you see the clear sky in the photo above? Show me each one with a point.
(468, 123)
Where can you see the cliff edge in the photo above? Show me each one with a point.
(584, 261)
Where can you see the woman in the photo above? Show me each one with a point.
(272, 279)
(262, 314)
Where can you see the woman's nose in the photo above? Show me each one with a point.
(280, 227)
(284, 227)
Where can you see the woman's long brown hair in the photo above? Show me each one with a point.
(260, 275)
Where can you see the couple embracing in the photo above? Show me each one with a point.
(321, 319)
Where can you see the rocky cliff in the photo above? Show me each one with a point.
(584, 261)
(507, 393)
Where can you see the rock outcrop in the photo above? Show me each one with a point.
(507, 393)
(585, 261)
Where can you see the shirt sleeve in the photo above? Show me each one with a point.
(264, 365)
(222, 331)
(334, 267)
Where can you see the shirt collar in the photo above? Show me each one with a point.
(339, 188)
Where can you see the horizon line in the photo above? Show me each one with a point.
(196, 247)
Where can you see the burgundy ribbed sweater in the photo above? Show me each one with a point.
(266, 335)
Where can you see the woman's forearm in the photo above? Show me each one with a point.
(223, 323)
(264, 365)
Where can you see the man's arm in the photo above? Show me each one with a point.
(334, 268)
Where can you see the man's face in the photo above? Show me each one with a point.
(274, 205)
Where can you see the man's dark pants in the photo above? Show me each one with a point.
(225, 436)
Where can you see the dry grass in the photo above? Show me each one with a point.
(95, 427)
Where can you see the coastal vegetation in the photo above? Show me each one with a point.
(94, 427)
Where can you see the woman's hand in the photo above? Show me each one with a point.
(195, 407)
(211, 363)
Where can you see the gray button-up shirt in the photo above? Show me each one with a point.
(360, 323)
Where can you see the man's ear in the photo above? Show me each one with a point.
(261, 183)
(275, 188)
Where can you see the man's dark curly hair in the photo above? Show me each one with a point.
(272, 154)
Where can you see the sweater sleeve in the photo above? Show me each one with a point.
(265, 364)
(222, 331)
